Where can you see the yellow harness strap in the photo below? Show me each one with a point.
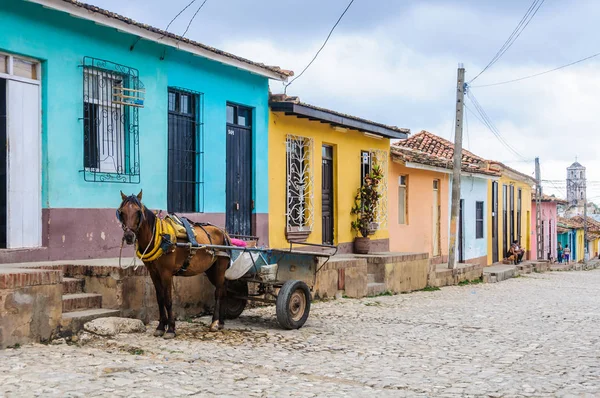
(161, 228)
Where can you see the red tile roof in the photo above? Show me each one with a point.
(432, 144)
(429, 149)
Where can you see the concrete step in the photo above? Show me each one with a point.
(72, 322)
(72, 285)
(374, 289)
(377, 270)
(499, 273)
(81, 301)
(371, 278)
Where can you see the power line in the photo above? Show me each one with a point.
(541, 73)
(485, 119)
(514, 35)
(323, 46)
(177, 16)
(193, 17)
(467, 129)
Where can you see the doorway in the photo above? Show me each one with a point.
(238, 214)
(436, 219)
(461, 237)
(3, 170)
(495, 222)
(327, 195)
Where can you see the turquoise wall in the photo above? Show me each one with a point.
(61, 42)
(472, 190)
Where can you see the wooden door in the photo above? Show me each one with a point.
(238, 216)
(436, 219)
(495, 222)
(24, 180)
(327, 195)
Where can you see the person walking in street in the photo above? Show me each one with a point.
(566, 254)
(560, 253)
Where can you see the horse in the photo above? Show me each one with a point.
(155, 245)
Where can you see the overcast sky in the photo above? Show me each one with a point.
(395, 61)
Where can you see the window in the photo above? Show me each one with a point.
(478, 220)
(402, 200)
(436, 184)
(299, 184)
(365, 165)
(185, 184)
(239, 116)
(112, 95)
(581, 195)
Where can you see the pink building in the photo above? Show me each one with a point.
(549, 216)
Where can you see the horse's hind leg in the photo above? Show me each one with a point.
(216, 275)
(162, 321)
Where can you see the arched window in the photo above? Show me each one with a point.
(581, 175)
(582, 195)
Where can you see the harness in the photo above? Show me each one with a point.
(165, 234)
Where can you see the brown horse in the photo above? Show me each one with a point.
(164, 260)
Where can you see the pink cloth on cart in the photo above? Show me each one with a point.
(238, 242)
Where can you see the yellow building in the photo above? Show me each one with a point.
(317, 161)
(509, 215)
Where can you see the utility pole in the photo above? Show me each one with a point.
(460, 96)
(538, 211)
(585, 224)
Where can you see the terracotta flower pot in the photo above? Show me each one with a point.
(362, 245)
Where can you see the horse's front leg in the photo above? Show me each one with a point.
(218, 279)
(162, 320)
(168, 292)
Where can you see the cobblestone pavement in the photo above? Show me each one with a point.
(531, 336)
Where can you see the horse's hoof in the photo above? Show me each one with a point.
(169, 335)
(215, 326)
(159, 333)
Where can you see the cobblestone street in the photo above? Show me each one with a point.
(535, 335)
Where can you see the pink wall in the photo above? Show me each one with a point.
(549, 216)
(417, 234)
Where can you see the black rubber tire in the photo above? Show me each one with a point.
(235, 306)
(297, 294)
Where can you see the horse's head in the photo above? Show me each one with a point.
(131, 215)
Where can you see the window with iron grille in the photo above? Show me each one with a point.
(185, 185)
(110, 122)
(478, 220)
(299, 184)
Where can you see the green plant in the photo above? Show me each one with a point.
(365, 202)
(430, 289)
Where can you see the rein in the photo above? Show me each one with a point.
(135, 266)
(136, 201)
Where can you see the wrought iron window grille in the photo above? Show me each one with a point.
(112, 96)
(186, 151)
(299, 187)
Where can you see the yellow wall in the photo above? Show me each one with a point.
(346, 175)
(580, 252)
(417, 234)
(525, 215)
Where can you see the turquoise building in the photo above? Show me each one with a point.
(94, 103)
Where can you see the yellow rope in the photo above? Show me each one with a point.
(161, 228)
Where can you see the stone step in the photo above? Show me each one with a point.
(374, 289)
(72, 322)
(371, 278)
(72, 285)
(81, 301)
(378, 270)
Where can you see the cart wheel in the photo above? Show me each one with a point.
(236, 306)
(293, 304)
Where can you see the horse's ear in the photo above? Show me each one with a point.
(139, 195)
(123, 196)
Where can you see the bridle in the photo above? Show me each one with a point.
(141, 218)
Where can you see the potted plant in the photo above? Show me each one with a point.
(365, 206)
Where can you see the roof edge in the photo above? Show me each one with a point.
(106, 18)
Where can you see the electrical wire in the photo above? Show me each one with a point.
(323, 46)
(514, 35)
(539, 74)
(177, 16)
(486, 121)
(467, 130)
(193, 17)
